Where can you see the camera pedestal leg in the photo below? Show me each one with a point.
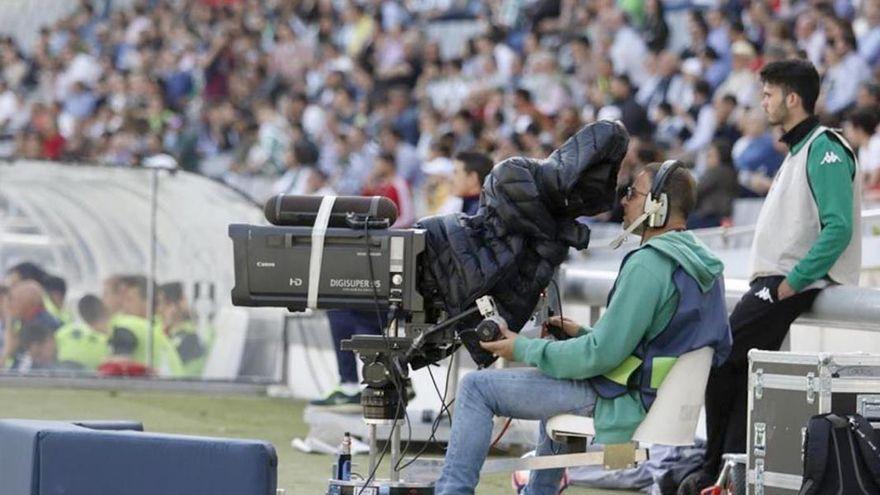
(372, 432)
(395, 452)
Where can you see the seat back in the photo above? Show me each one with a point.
(672, 419)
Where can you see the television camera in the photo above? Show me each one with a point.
(340, 253)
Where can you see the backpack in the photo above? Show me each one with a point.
(841, 455)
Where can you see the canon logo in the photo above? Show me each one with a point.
(265, 264)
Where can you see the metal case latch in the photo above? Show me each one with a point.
(759, 383)
(760, 443)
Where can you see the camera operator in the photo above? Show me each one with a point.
(589, 373)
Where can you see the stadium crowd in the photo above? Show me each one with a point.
(356, 97)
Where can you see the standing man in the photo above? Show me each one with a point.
(807, 238)
(471, 169)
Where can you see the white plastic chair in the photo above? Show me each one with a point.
(672, 420)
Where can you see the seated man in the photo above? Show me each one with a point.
(612, 371)
(83, 345)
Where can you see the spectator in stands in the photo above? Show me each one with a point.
(725, 115)
(755, 155)
(654, 29)
(703, 126)
(860, 128)
(742, 83)
(846, 71)
(810, 37)
(807, 238)
(406, 159)
(436, 190)
(632, 115)
(385, 181)
(471, 169)
(867, 28)
(180, 328)
(664, 85)
(670, 127)
(628, 50)
(301, 163)
(716, 189)
(83, 346)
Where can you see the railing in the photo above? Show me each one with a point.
(855, 308)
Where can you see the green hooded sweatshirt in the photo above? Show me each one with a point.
(644, 301)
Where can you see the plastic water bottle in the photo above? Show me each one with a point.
(343, 462)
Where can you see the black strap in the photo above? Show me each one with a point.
(817, 442)
(869, 445)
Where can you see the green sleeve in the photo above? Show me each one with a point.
(830, 171)
(638, 296)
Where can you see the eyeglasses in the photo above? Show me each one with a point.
(631, 191)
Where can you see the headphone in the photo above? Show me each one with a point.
(656, 204)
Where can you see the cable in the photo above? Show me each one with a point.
(436, 424)
(501, 433)
(558, 298)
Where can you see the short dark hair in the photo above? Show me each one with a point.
(27, 270)
(172, 292)
(680, 188)
(703, 87)
(524, 94)
(865, 119)
(477, 162)
(623, 78)
(54, 283)
(91, 309)
(305, 152)
(794, 76)
(388, 157)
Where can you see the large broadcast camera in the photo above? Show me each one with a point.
(357, 263)
(453, 280)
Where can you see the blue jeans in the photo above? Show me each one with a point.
(521, 393)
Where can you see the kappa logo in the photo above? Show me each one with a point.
(764, 294)
(830, 157)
